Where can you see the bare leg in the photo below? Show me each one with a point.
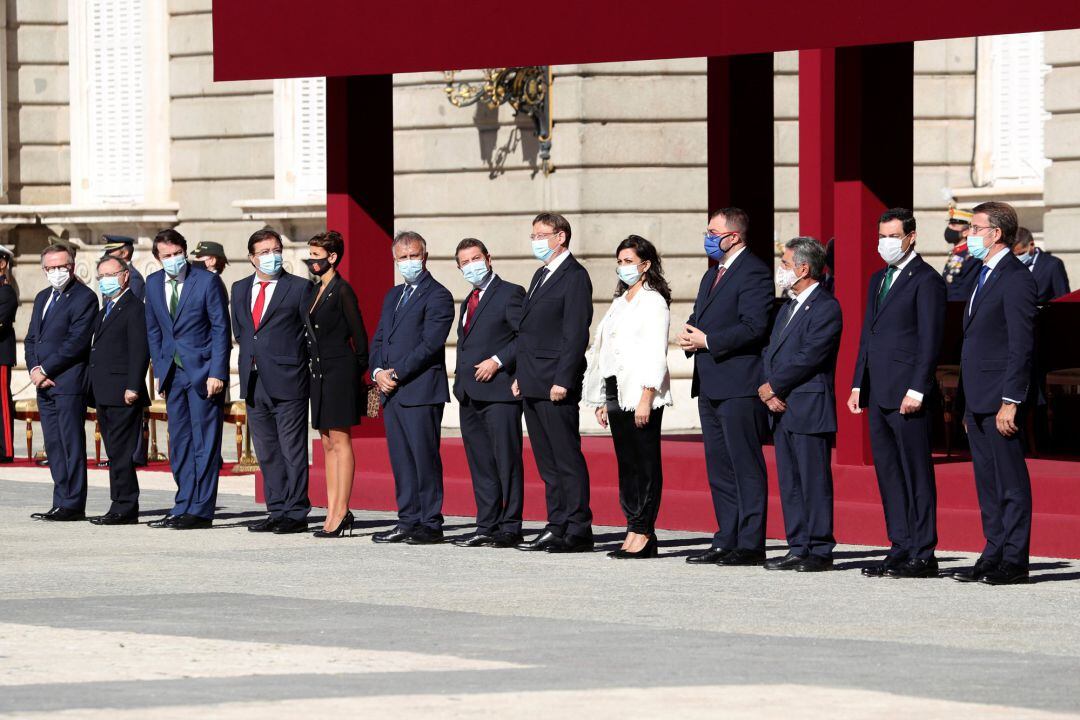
(330, 455)
(345, 466)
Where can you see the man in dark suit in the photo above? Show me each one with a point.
(56, 346)
(408, 354)
(552, 341)
(490, 414)
(894, 381)
(119, 356)
(119, 246)
(267, 317)
(1051, 278)
(187, 322)
(995, 373)
(800, 367)
(725, 335)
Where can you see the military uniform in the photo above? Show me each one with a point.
(961, 271)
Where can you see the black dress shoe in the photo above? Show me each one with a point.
(741, 557)
(649, 550)
(788, 562)
(288, 526)
(884, 566)
(267, 524)
(394, 535)
(708, 557)
(116, 519)
(64, 515)
(44, 515)
(814, 563)
(193, 522)
(1006, 574)
(474, 540)
(424, 536)
(571, 544)
(976, 572)
(540, 542)
(915, 568)
(43, 462)
(506, 540)
(165, 522)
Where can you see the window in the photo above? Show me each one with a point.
(119, 107)
(1017, 76)
(300, 139)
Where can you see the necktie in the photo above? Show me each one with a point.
(470, 309)
(789, 310)
(978, 287)
(260, 301)
(719, 274)
(52, 301)
(108, 307)
(174, 298)
(540, 278)
(886, 285)
(405, 295)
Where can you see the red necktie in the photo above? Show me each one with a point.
(470, 310)
(719, 274)
(257, 311)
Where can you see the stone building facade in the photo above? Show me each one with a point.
(91, 84)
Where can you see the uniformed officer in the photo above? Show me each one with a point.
(961, 270)
(211, 255)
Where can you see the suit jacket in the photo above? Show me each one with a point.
(9, 305)
(279, 347)
(119, 353)
(492, 331)
(554, 332)
(1051, 279)
(735, 320)
(412, 341)
(200, 332)
(800, 364)
(963, 282)
(136, 282)
(999, 336)
(900, 341)
(60, 343)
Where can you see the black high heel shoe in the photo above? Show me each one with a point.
(345, 524)
(650, 550)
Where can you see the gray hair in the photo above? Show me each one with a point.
(58, 248)
(124, 265)
(408, 236)
(808, 251)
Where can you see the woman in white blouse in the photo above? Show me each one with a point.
(627, 381)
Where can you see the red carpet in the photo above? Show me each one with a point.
(686, 503)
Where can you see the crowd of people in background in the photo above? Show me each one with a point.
(528, 353)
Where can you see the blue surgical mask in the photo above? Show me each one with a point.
(976, 247)
(410, 269)
(1026, 258)
(270, 264)
(174, 265)
(712, 247)
(108, 285)
(475, 272)
(541, 250)
(629, 274)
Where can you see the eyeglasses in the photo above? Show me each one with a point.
(543, 236)
(708, 234)
(264, 253)
(118, 273)
(976, 228)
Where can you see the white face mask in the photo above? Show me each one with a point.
(785, 278)
(58, 277)
(890, 249)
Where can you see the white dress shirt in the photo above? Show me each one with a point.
(270, 285)
(553, 265)
(729, 258)
(179, 286)
(991, 263)
(465, 315)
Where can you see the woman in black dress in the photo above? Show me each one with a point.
(9, 305)
(338, 346)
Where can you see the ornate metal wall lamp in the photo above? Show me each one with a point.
(527, 89)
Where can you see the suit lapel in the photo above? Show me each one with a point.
(724, 281)
(546, 287)
(906, 276)
(117, 308)
(190, 283)
(989, 286)
(798, 318)
(485, 297)
(281, 290)
(419, 292)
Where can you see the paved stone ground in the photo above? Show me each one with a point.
(131, 622)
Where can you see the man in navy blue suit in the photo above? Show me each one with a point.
(57, 348)
(725, 335)
(187, 322)
(490, 414)
(1051, 278)
(408, 354)
(894, 381)
(267, 318)
(800, 367)
(995, 373)
(552, 341)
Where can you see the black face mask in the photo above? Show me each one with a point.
(952, 236)
(318, 267)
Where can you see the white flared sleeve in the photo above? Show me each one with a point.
(652, 360)
(592, 390)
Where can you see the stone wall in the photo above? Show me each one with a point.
(1063, 148)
